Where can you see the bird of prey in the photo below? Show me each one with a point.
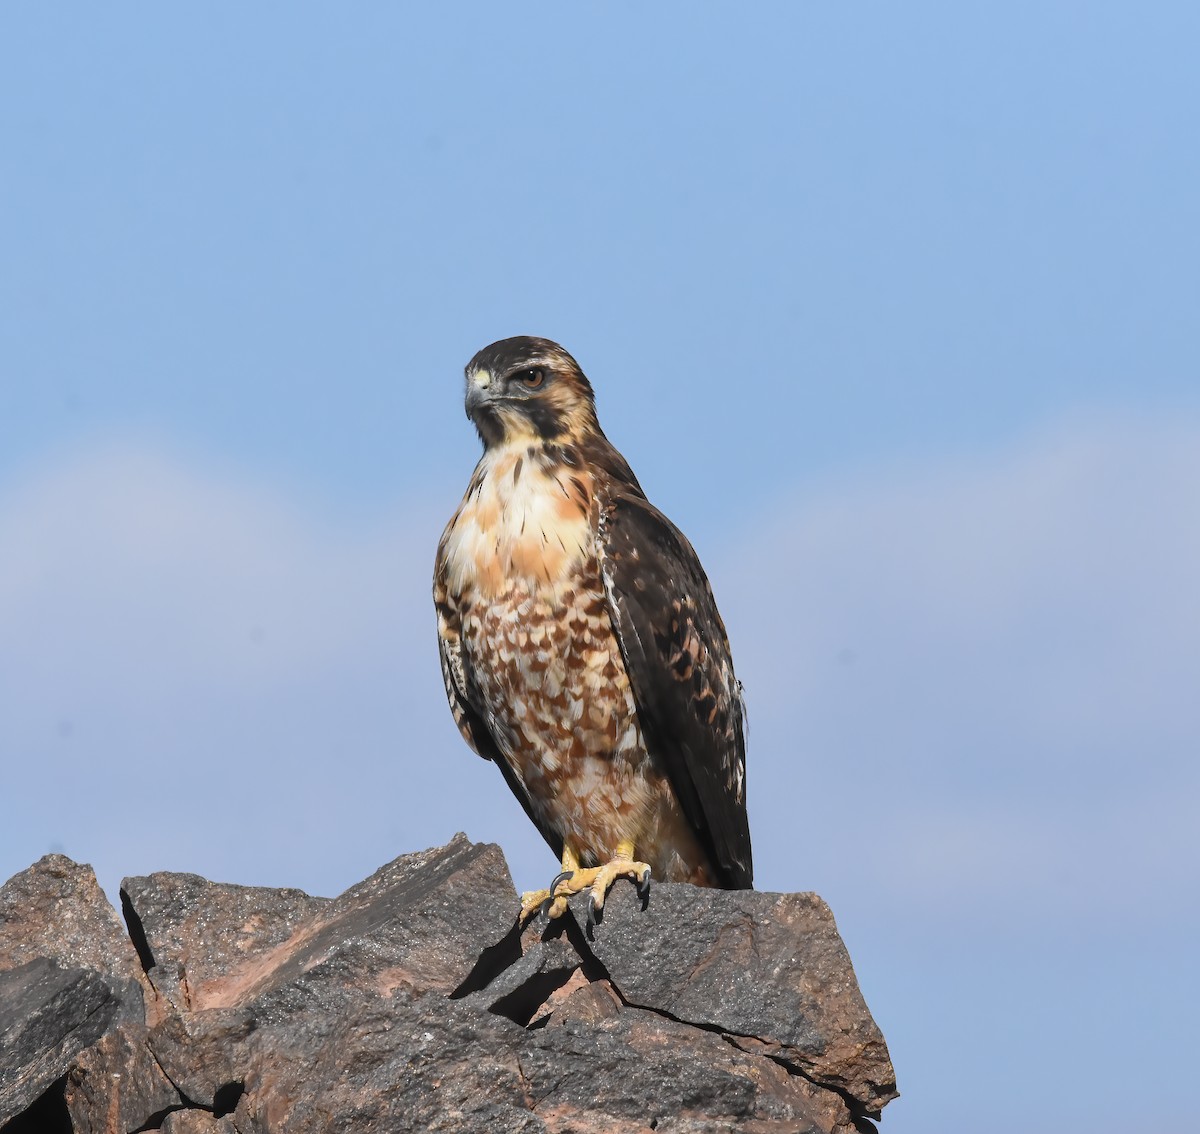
(581, 646)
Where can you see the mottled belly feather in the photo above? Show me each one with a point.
(536, 635)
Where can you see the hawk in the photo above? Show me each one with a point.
(581, 646)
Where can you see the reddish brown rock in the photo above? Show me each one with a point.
(118, 1085)
(414, 1002)
(195, 933)
(68, 975)
(197, 1122)
(56, 909)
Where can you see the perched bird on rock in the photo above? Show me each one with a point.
(581, 645)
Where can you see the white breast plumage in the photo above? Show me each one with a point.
(520, 520)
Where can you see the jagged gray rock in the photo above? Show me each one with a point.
(716, 952)
(415, 1001)
(48, 1015)
(68, 974)
(56, 910)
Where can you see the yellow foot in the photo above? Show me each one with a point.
(598, 879)
(534, 900)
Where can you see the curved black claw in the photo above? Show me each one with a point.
(643, 888)
(595, 912)
(560, 877)
(544, 908)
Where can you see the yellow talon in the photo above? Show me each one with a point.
(534, 900)
(573, 880)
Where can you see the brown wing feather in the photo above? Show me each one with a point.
(677, 656)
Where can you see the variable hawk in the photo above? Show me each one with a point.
(581, 645)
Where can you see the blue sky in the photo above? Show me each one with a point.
(893, 310)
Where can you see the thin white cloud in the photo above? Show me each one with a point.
(978, 679)
(184, 572)
(200, 675)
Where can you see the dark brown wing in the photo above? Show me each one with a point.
(467, 703)
(677, 656)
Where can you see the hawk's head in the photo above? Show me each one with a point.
(528, 390)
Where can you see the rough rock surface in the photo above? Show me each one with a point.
(56, 910)
(48, 1015)
(414, 1002)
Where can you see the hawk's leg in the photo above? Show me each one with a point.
(597, 879)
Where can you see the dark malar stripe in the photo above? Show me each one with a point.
(545, 419)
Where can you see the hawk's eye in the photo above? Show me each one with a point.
(530, 379)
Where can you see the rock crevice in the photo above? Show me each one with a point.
(414, 1001)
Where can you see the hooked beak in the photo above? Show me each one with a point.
(483, 393)
(481, 389)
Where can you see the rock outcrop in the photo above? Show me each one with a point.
(414, 1002)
